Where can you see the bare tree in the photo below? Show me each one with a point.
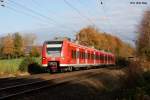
(29, 39)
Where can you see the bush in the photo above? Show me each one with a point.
(34, 52)
(122, 62)
(23, 67)
(136, 86)
(35, 68)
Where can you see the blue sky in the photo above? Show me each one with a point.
(49, 18)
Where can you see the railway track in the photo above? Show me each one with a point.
(14, 91)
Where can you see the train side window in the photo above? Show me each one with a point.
(100, 57)
(79, 54)
(92, 56)
(75, 54)
(72, 53)
(88, 55)
(97, 57)
(83, 55)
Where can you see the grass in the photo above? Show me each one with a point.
(12, 66)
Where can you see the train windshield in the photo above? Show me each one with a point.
(54, 49)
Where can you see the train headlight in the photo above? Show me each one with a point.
(44, 58)
(62, 58)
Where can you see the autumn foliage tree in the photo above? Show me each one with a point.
(143, 40)
(92, 37)
(35, 52)
(8, 46)
(13, 45)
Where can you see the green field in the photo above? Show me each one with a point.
(12, 65)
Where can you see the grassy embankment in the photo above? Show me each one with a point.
(12, 66)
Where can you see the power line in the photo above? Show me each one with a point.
(88, 10)
(43, 8)
(105, 12)
(38, 4)
(32, 11)
(24, 13)
(2, 3)
(82, 16)
(36, 13)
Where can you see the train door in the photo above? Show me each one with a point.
(86, 57)
(94, 57)
(77, 56)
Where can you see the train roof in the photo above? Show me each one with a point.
(76, 45)
(53, 41)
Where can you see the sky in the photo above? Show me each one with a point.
(51, 18)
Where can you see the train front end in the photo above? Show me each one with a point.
(51, 55)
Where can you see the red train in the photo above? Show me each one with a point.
(60, 55)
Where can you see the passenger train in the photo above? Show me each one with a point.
(60, 55)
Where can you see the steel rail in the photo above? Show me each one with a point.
(55, 83)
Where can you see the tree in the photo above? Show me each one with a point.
(143, 39)
(29, 39)
(35, 52)
(1, 46)
(8, 46)
(18, 45)
(103, 41)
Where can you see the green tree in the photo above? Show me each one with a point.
(35, 52)
(18, 45)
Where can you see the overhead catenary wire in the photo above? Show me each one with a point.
(106, 15)
(37, 4)
(27, 14)
(46, 9)
(2, 3)
(52, 21)
(32, 11)
(82, 15)
(88, 10)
